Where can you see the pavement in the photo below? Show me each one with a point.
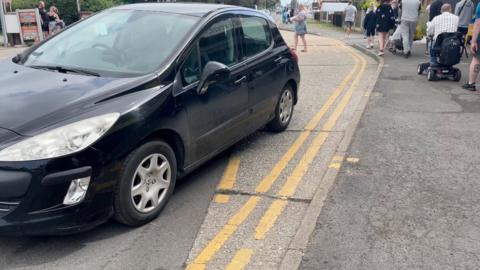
(252, 206)
(8, 52)
(411, 199)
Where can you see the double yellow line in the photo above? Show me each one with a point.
(289, 188)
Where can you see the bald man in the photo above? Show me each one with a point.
(446, 22)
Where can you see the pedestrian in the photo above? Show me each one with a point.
(300, 26)
(56, 24)
(446, 22)
(408, 23)
(465, 10)
(369, 25)
(350, 12)
(435, 9)
(385, 23)
(43, 18)
(475, 64)
(396, 10)
(285, 16)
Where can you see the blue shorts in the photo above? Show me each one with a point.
(301, 29)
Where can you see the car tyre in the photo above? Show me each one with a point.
(283, 110)
(140, 174)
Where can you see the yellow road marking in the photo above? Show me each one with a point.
(222, 198)
(268, 181)
(240, 260)
(337, 158)
(228, 179)
(353, 160)
(334, 165)
(224, 234)
(294, 179)
(336, 162)
(269, 218)
(230, 174)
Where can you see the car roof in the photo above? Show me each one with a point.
(192, 9)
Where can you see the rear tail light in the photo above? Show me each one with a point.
(294, 55)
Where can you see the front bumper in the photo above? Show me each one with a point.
(31, 202)
(70, 220)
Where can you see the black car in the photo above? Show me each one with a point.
(101, 119)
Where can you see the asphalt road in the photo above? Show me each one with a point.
(162, 244)
(243, 208)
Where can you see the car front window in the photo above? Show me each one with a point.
(217, 43)
(116, 43)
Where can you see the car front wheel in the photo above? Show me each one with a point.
(146, 183)
(283, 110)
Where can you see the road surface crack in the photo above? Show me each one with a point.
(259, 194)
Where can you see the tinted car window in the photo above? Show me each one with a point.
(116, 42)
(218, 43)
(256, 35)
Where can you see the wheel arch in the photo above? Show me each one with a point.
(294, 86)
(174, 140)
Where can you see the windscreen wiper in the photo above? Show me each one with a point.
(68, 70)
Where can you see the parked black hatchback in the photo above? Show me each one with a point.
(101, 119)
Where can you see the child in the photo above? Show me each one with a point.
(369, 24)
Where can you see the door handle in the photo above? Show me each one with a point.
(241, 79)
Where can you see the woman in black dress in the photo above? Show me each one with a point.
(385, 22)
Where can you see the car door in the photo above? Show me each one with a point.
(266, 72)
(219, 117)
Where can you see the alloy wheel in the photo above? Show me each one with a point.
(150, 183)
(286, 106)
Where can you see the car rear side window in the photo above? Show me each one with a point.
(256, 35)
(218, 44)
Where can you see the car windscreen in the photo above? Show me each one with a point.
(115, 43)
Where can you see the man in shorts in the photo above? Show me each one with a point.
(350, 12)
(475, 64)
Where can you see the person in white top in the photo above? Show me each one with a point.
(350, 13)
(443, 23)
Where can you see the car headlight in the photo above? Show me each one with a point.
(60, 141)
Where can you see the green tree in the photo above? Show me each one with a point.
(68, 8)
(98, 5)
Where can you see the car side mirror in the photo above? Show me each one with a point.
(213, 72)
